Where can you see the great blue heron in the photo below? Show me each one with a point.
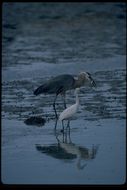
(69, 112)
(60, 84)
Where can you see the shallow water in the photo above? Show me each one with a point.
(41, 41)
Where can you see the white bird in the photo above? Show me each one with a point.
(69, 112)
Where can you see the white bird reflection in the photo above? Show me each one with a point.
(64, 149)
(81, 153)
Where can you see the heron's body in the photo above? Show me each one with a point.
(59, 84)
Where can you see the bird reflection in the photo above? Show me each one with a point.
(66, 150)
(81, 153)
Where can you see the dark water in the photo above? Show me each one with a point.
(42, 40)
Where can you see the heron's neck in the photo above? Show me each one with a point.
(78, 83)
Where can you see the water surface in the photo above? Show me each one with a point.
(43, 40)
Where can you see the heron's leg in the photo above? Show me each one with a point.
(56, 124)
(64, 97)
(54, 103)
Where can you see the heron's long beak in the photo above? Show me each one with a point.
(90, 79)
(93, 83)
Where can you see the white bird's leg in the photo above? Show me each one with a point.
(69, 136)
(63, 125)
(55, 107)
(66, 137)
(68, 124)
(63, 137)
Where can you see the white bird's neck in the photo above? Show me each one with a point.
(77, 98)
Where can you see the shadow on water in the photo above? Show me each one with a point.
(66, 150)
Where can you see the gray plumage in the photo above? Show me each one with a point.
(59, 84)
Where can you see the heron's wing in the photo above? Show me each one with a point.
(56, 85)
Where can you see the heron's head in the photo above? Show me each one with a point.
(86, 77)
